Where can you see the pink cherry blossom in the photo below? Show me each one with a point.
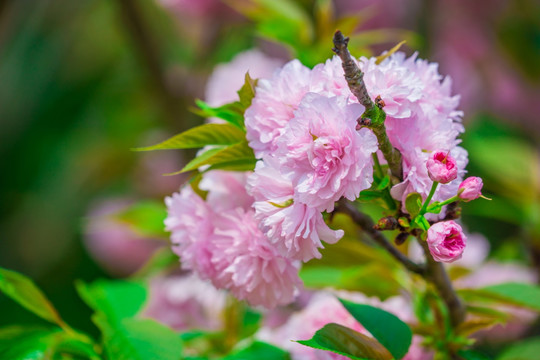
(323, 154)
(296, 230)
(228, 78)
(248, 265)
(442, 167)
(226, 190)
(185, 302)
(470, 188)
(274, 104)
(107, 238)
(189, 219)
(446, 241)
(325, 308)
(422, 117)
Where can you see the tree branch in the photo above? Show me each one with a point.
(438, 277)
(150, 56)
(373, 116)
(365, 222)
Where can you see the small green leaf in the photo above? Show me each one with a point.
(141, 339)
(527, 295)
(259, 351)
(523, 350)
(236, 152)
(23, 290)
(387, 54)
(388, 329)
(516, 294)
(117, 300)
(472, 355)
(235, 165)
(384, 183)
(413, 204)
(347, 342)
(198, 161)
(370, 195)
(163, 259)
(233, 113)
(200, 136)
(145, 217)
(247, 91)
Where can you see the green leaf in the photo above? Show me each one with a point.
(200, 136)
(140, 339)
(124, 337)
(247, 91)
(388, 329)
(523, 350)
(163, 259)
(516, 294)
(145, 217)
(527, 295)
(233, 113)
(235, 165)
(259, 351)
(372, 279)
(472, 355)
(29, 343)
(237, 152)
(23, 290)
(198, 161)
(347, 342)
(117, 300)
(20, 343)
(413, 204)
(384, 183)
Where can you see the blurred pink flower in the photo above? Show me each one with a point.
(107, 239)
(323, 154)
(185, 302)
(228, 78)
(324, 308)
(446, 241)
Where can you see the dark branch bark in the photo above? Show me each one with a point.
(365, 222)
(437, 275)
(373, 116)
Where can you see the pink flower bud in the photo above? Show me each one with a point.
(446, 241)
(442, 167)
(470, 188)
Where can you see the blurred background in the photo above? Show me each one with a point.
(82, 82)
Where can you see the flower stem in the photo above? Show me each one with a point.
(438, 276)
(386, 192)
(429, 197)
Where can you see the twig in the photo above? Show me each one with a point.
(150, 56)
(438, 276)
(365, 222)
(373, 116)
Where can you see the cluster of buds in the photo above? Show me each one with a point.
(446, 239)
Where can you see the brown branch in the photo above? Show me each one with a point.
(438, 276)
(373, 116)
(150, 56)
(365, 222)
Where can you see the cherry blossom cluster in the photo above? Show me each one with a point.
(253, 230)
